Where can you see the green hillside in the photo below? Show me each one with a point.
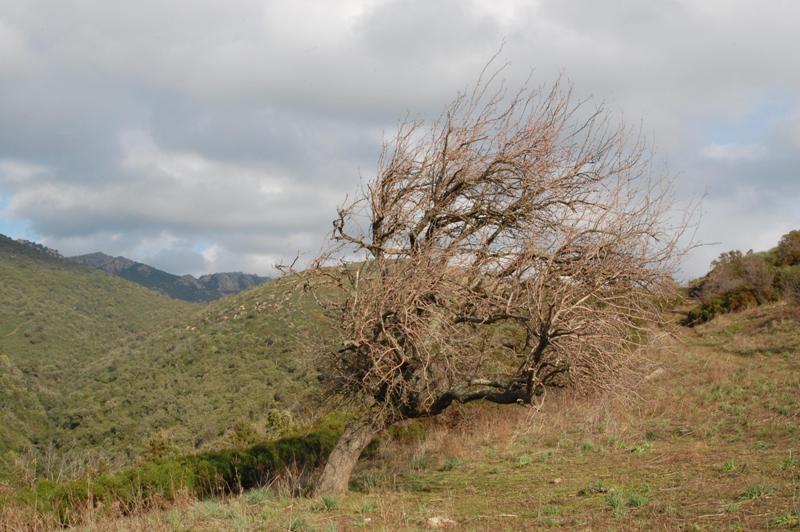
(55, 319)
(93, 363)
(230, 373)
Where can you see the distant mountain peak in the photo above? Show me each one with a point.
(207, 287)
(187, 287)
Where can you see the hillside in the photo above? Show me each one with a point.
(186, 287)
(710, 441)
(56, 318)
(230, 372)
(99, 365)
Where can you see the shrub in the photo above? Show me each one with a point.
(791, 288)
(736, 282)
(788, 250)
(202, 475)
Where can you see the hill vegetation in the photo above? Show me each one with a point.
(738, 281)
(55, 319)
(98, 371)
(228, 374)
(186, 287)
(707, 440)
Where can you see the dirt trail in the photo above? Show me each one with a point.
(17, 328)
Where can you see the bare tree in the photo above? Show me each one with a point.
(515, 243)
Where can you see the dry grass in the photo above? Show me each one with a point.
(711, 443)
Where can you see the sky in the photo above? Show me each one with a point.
(201, 136)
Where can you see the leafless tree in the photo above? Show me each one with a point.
(517, 242)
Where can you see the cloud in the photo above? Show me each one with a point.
(203, 135)
(734, 153)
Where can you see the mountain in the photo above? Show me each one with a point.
(56, 319)
(186, 287)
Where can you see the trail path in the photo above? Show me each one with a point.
(17, 328)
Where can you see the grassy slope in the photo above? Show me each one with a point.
(712, 443)
(55, 317)
(231, 362)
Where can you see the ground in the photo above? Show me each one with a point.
(709, 441)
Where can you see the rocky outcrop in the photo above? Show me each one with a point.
(185, 287)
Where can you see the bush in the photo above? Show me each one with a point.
(791, 289)
(201, 475)
(788, 250)
(736, 282)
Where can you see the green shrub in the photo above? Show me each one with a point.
(202, 475)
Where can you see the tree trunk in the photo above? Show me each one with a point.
(336, 475)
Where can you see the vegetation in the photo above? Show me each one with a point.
(161, 482)
(56, 319)
(228, 375)
(738, 281)
(97, 372)
(716, 437)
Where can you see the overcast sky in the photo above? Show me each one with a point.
(203, 136)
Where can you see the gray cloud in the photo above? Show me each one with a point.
(203, 136)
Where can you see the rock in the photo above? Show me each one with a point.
(440, 521)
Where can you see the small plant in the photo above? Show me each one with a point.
(524, 460)
(642, 447)
(756, 491)
(616, 442)
(256, 496)
(619, 501)
(732, 508)
(268, 512)
(451, 464)
(545, 456)
(787, 520)
(790, 463)
(551, 510)
(299, 524)
(616, 503)
(211, 509)
(174, 518)
(421, 463)
(587, 447)
(636, 500)
(593, 488)
(367, 507)
(328, 503)
(729, 465)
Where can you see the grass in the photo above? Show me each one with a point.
(756, 491)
